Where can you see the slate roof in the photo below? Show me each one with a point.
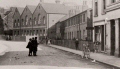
(55, 8)
(31, 8)
(64, 18)
(20, 9)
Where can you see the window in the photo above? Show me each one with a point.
(36, 32)
(30, 21)
(18, 23)
(83, 34)
(35, 21)
(96, 8)
(26, 19)
(80, 18)
(69, 21)
(15, 23)
(104, 6)
(39, 18)
(22, 22)
(44, 20)
(83, 17)
(113, 1)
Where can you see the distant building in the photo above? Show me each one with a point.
(8, 21)
(17, 21)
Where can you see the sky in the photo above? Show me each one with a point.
(23, 3)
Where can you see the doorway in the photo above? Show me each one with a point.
(102, 38)
(119, 37)
(112, 23)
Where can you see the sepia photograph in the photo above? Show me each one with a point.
(59, 34)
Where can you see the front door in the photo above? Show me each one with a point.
(102, 38)
(112, 37)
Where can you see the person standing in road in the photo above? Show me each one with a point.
(35, 46)
(30, 47)
(76, 44)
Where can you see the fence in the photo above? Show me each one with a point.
(71, 44)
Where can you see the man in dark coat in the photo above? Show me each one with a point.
(30, 47)
(76, 44)
(35, 43)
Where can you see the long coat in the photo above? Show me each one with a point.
(29, 45)
(35, 45)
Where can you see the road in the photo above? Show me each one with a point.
(47, 56)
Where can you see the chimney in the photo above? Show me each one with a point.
(57, 1)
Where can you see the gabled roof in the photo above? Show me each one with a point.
(55, 8)
(31, 8)
(20, 10)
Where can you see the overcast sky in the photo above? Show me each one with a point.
(23, 3)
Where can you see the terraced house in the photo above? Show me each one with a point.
(79, 26)
(106, 21)
(27, 20)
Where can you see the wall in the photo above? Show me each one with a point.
(54, 18)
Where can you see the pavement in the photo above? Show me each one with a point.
(39, 67)
(3, 49)
(100, 57)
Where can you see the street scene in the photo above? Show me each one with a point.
(59, 34)
(47, 56)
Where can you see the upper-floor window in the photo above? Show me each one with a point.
(83, 17)
(96, 8)
(18, 23)
(44, 20)
(22, 22)
(113, 1)
(15, 23)
(26, 20)
(35, 20)
(69, 21)
(39, 18)
(80, 18)
(103, 6)
(30, 21)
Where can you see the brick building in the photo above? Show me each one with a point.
(17, 21)
(79, 26)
